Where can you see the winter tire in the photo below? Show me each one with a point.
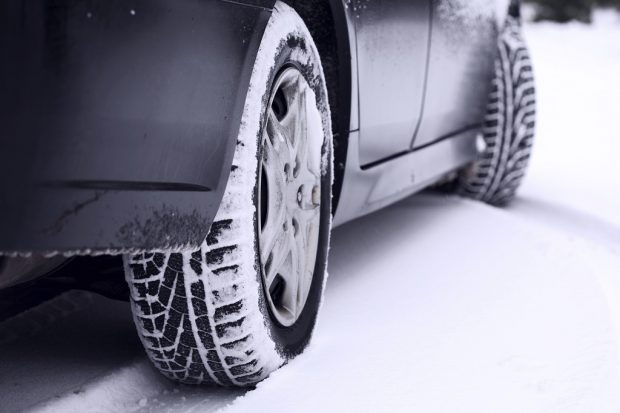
(508, 126)
(246, 301)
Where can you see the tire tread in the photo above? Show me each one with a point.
(509, 124)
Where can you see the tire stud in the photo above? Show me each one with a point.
(300, 196)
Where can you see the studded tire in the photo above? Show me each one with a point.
(508, 126)
(202, 315)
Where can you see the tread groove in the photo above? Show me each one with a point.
(508, 127)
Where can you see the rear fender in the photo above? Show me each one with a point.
(119, 119)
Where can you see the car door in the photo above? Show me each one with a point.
(462, 52)
(392, 49)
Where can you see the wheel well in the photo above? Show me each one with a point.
(327, 24)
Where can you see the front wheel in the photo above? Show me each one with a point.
(509, 125)
(246, 301)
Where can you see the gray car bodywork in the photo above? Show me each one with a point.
(119, 118)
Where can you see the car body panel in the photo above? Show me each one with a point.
(119, 119)
(450, 123)
(460, 69)
(367, 190)
(392, 50)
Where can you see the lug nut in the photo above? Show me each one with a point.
(300, 195)
(316, 196)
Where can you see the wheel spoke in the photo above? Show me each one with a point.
(276, 186)
(308, 227)
(272, 164)
(301, 133)
(291, 165)
(274, 255)
(280, 139)
(291, 276)
(295, 120)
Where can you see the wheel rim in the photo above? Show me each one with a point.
(289, 195)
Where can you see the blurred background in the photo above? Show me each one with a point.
(567, 10)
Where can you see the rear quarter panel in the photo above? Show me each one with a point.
(119, 119)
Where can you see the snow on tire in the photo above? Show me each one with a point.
(203, 315)
(508, 126)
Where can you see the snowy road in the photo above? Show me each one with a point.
(436, 304)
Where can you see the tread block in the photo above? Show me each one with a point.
(203, 324)
(217, 229)
(227, 310)
(242, 369)
(216, 256)
(229, 329)
(508, 126)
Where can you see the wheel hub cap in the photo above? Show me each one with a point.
(290, 195)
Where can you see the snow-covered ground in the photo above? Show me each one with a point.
(436, 304)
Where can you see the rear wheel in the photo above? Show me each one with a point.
(246, 301)
(508, 134)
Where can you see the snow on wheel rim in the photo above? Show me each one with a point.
(289, 195)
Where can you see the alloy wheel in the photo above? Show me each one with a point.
(289, 195)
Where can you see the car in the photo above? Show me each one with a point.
(208, 147)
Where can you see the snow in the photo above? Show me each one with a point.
(575, 165)
(435, 304)
(470, 12)
(442, 324)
